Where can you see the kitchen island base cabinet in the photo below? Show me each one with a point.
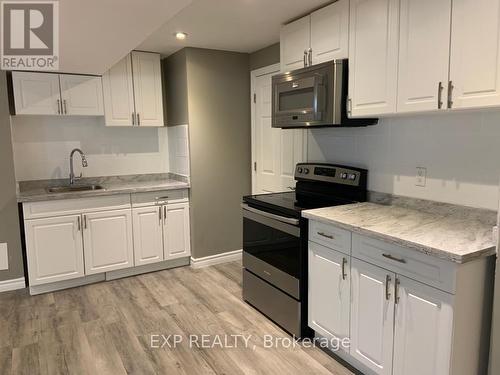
(108, 241)
(329, 292)
(54, 249)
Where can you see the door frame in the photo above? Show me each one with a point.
(274, 68)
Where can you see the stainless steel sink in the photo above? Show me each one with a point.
(74, 188)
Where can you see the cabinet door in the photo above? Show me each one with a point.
(330, 32)
(54, 248)
(118, 91)
(147, 88)
(424, 50)
(475, 53)
(294, 41)
(36, 93)
(107, 237)
(373, 56)
(177, 241)
(329, 291)
(81, 95)
(423, 330)
(148, 235)
(372, 316)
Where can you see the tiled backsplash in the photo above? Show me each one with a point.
(461, 152)
(178, 149)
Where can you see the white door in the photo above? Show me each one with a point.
(108, 241)
(148, 235)
(295, 41)
(81, 95)
(54, 248)
(36, 93)
(373, 57)
(372, 316)
(177, 242)
(330, 32)
(275, 151)
(329, 292)
(118, 92)
(147, 88)
(424, 55)
(475, 53)
(423, 330)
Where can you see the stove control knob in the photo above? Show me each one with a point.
(352, 177)
(343, 176)
(299, 169)
(306, 170)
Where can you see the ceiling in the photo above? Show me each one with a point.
(95, 34)
(232, 25)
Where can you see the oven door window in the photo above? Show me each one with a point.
(275, 247)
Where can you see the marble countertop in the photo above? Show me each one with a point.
(33, 191)
(451, 234)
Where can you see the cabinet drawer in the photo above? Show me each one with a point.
(407, 262)
(159, 197)
(330, 236)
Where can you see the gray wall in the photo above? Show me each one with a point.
(219, 134)
(9, 222)
(175, 83)
(265, 56)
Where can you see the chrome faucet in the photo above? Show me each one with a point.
(72, 177)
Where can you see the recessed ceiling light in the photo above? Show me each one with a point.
(180, 35)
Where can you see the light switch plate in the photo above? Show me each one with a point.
(421, 176)
(4, 257)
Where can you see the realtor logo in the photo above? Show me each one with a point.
(30, 35)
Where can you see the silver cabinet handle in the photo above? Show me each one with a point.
(396, 290)
(159, 215)
(440, 94)
(84, 221)
(65, 109)
(138, 120)
(58, 106)
(344, 262)
(322, 234)
(161, 198)
(387, 286)
(133, 118)
(310, 56)
(79, 224)
(391, 257)
(164, 215)
(348, 105)
(305, 57)
(450, 94)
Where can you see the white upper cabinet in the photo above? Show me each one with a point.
(36, 93)
(424, 52)
(295, 42)
(147, 88)
(372, 316)
(81, 95)
(118, 89)
(475, 54)
(330, 32)
(108, 241)
(57, 94)
(423, 329)
(176, 231)
(329, 291)
(133, 91)
(373, 57)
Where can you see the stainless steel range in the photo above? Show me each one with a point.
(275, 240)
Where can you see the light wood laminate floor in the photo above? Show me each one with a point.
(106, 328)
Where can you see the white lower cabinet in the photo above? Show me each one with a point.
(108, 241)
(176, 231)
(329, 291)
(372, 316)
(55, 249)
(148, 235)
(423, 329)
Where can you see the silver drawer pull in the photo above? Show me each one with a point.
(161, 198)
(326, 235)
(389, 256)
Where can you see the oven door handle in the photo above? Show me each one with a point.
(287, 220)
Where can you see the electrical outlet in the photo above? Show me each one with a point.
(421, 176)
(4, 257)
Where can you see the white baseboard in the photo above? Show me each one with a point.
(230, 256)
(13, 284)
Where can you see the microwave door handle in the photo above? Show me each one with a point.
(318, 91)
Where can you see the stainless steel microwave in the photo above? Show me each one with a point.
(313, 96)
